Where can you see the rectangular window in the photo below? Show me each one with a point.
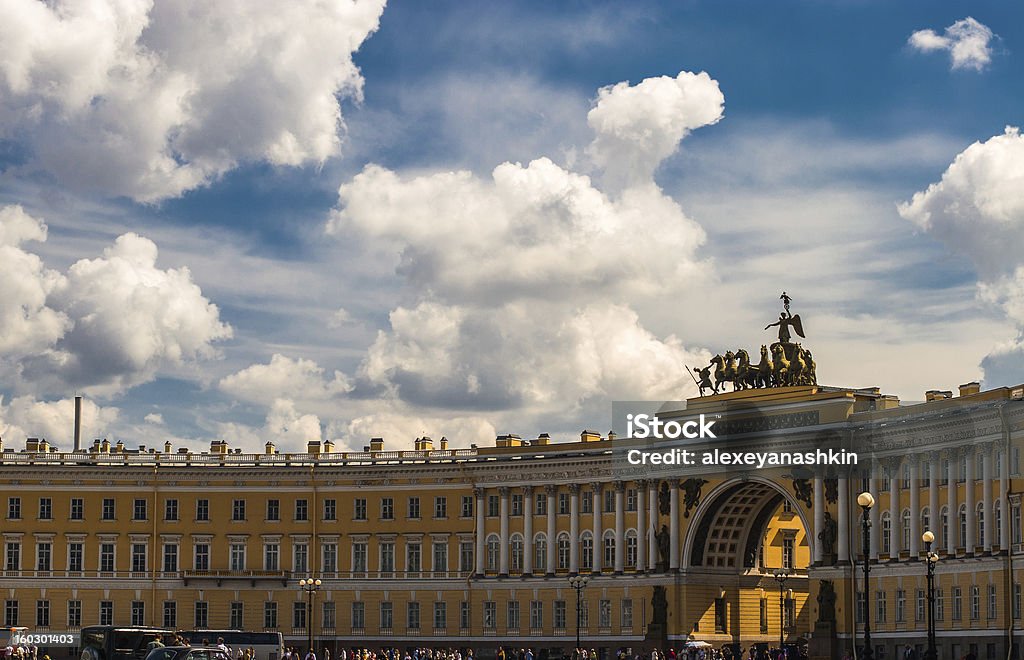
(441, 507)
(604, 614)
(466, 556)
(77, 508)
(139, 511)
(412, 558)
(387, 615)
(202, 614)
(787, 553)
(43, 613)
(540, 504)
(171, 509)
(13, 556)
(44, 556)
(940, 606)
(440, 615)
(536, 615)
(387, 556)
(202, 556)
(609, 500)
(587, 502)
(721, 616)
(464, 615)
(359, 615)
(106, 613)
(880, 607)
(958, 608)
(298, 614)
(440, 557)
(270, 614)
(202, 510)
(138, 557)
(300, 557)
(359, 557)
(45, 508)
(1016, 601)
(627, 612)
(107, 557)
(170, 557)
(328, 617)
(764, 616)
(563, 504)
(271, 556)
(238, 510)
(412, 618)
(975, 602)
(901, 605)
(14, 508)
(493, 506)
(387, 508)
(237, 557)
(273, 509)
(359, 508)
(631, 499)
(235, 616)
(330, 557)
(467, 506)
(301, 510)
(558, 616)
(330, 509)
(11, 613)
(512, 613)
(993, 607)
(414, 508)
(107, 512)
(490, 615)
(138, 613)
(170, 614)
(517, 504)
(920, 609)
(74, 613)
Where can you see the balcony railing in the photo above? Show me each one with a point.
(243, 460)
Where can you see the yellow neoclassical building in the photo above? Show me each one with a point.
(474, 547)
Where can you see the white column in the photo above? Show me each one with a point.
(1005, 509)
(895, 524)
(986, 498)
(934, 517)
(481, 545)
(819, 520)
(620, 527)
(503, 531)
(641, 525)
(550, 490)
(875, 515)
(574, 528)
(972, 520)
(527, 530)
(915, 508)
(952, 511)
(673, 525)
(652, 526)
(843, 537)
(598, 508)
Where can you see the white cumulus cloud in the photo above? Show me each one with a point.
(150, 100)
(967, 40)
(297, 379)
(26, 417)
(285, 425)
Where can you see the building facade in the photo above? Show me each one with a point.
(474, 547)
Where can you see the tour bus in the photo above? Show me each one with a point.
(267, 645)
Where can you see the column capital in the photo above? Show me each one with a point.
(478, 491)
(574, 489)
(913, 459)
(620, 486)
(528, 490)
(504, 491)
(551, 489)
(675, 482)
(641, 484)
(597, 487)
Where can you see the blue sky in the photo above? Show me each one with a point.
(377, 275)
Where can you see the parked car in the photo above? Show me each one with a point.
(187, 653)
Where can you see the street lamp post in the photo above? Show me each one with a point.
(866, 501)
(932, 558)
(579, 583)
(781, 575)
(310, 586)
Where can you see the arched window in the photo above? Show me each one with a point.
(493, 551)
(609, 549)
(905, 528)
(632, 541)
(963, 525)
(980, 538)
(516, 546)
(586, 551)
(944, 520)
(886, 533)
(540, 552)
(563, 551)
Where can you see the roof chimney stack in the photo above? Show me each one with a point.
(970, 388)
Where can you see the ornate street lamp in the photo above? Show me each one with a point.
(579, 583)
(932, 558)
(781, 575)
(310, 586)
(866, 500)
